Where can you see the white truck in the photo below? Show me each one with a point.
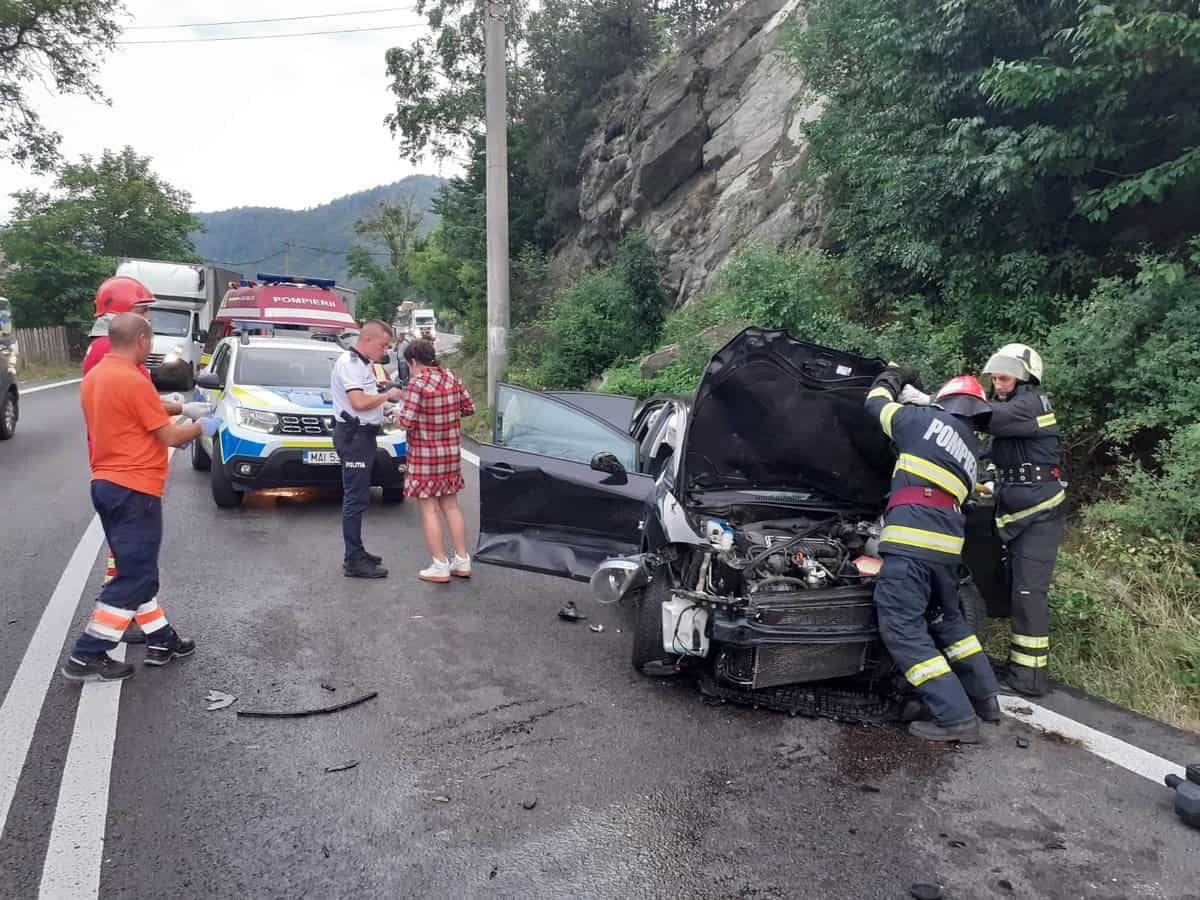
(424, 324)
(186, 297)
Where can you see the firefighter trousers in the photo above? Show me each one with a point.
(922, 626)
(1031, 558)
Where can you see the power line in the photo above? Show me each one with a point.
(359, 12)
(267, 37)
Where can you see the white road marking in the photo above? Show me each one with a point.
(76, 849)
(48, 387)
(1115, 750)
(27, 693)
(471, 458)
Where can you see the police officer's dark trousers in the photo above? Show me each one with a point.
(132, 523)
(922, 625)
(1031, 558)
(355, 445)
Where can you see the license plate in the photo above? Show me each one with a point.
(321, 458)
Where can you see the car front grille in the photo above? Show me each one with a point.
(310, 426)
(154, 360)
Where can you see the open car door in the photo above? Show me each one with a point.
(559, 489)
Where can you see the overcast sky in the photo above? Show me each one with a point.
(290, 122)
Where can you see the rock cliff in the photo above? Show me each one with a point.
(702, 155)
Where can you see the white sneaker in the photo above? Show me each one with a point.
(461, 567)
(438, 573)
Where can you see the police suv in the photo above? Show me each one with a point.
(278, 420)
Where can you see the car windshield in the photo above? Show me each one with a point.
(285, 368)
(424, 320)
(171, 322)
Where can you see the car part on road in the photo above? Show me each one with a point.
(301, 713)
(842, 704)
(599, 629)
(1187, 795)
(923, 891)
(342, 767)
(529, 803)
(570, 614)
(218, 700)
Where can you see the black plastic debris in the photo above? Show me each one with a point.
(1023, 743)
(441, 798)
(570, 614)
(869, 789)
(957, 845)
(325, 850)
(301, 713)
(529, 803)
(342, 766)
(326, 686)
(925, 891)
(1005, 885)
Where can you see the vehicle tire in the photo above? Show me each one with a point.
(223, 492)
(8, 416)
(647, 626)
(201, 461)
(394, 494)
(974, 608)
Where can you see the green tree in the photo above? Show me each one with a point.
(60, 43)
(396, 227)
(62, 242)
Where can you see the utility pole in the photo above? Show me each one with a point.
(497, 197)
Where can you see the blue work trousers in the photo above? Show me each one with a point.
(356, 449)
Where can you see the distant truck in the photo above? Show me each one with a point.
(186, 299)
(424, 324)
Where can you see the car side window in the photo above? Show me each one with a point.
(537, 424)
(220, 363)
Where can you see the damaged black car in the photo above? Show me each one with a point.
(741, 525)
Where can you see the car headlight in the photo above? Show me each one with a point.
(258, 419)
(175, 354)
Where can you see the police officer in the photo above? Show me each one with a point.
(1030, 510)
(358, 406)
(916, 593)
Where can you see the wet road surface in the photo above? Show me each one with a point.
(508, 754)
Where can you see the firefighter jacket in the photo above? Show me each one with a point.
(1026, 453)
(937, 452)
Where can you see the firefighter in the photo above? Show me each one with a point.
(916, 594)
(1030, 506)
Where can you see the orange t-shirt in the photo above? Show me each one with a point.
(122, 411)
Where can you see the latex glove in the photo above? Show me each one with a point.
(913, 396)
(210, 425)
(198, 410)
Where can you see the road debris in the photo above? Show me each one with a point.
(924, 891)
(441, 798)
(599, 629)
(529, 803)
(1056, 845)
(325, 850)
(326, 686)
(342, 766)
(218, 700)
(957, 845)
(301, 713)
(1023, 710)
(492, 874)
(570, 614)
(1023, 743)
(869, 789)
(1005, 885)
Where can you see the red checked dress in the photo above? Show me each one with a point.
(431, 409)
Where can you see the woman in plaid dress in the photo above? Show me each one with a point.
(431, 410)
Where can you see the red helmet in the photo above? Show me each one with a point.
(121, 294)
(963, 396)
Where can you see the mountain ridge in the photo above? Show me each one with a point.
(310, 241)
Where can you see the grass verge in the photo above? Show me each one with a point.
(472, 369)
(1125, 624)
(38, 371)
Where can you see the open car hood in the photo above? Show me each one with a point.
(773, 413)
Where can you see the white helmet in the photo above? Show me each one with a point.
(1018, 360)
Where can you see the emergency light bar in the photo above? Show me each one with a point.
(325, 283)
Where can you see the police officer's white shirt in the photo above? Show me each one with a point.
(354, 372)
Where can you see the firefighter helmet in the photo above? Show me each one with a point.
(964, 397)
(121, 294)
(1018, 360)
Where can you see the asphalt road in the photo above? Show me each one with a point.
(508, 754)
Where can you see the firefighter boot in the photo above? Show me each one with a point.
(1027, 681)
(963, 732)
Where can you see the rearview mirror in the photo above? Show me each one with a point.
(210, 380)
(608, 463)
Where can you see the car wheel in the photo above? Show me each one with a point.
(223, 491)
(201, 461)
(8, 416)
(974, 608)
(648, 654)
(394, 494)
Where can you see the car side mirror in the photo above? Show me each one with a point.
(209, 380)
(608, 463)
